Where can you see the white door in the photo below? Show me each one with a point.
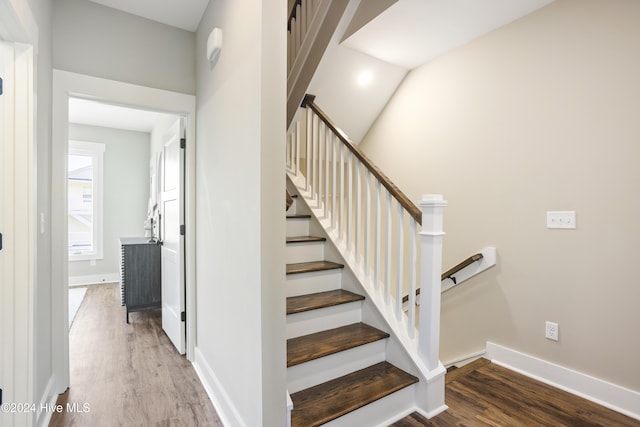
(172, 211)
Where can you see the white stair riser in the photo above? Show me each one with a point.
(310, 283)
(304, 252)
(376, 414)
(336, 365)
(297, 227)
(312, 321)
(292, 208)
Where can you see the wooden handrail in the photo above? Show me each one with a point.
(402, 199)
(450, 272)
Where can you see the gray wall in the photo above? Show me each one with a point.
(239, 217)
(41, 10)
(539, 115)
(126, 192)
(99, 41)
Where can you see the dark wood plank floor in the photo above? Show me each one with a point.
(128, 375)
(485, 394)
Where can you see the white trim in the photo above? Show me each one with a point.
(48, 400)
(223, 404)
(94, 279)
(94, 150)
(604, 393)
(17, 217)
(464, 360)
(66, 84)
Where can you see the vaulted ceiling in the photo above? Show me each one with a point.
(376, 44)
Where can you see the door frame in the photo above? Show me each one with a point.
(65, 85)
(17, 294)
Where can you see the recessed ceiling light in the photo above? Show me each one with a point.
(364, 78)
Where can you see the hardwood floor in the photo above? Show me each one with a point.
(128, 375)
(484, 394)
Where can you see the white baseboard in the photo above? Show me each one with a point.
(47, 400)
(459, 362)
(610, 395)
(95, 279)
(227, 412)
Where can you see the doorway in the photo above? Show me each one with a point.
(112, 192)
(115, 94)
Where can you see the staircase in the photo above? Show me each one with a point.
(337, 366)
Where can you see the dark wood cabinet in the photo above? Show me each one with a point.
(140, 279)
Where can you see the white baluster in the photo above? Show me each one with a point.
(367, 222)
(327, 152)
(299, 34)
(411, 325)
(400, 264)
(349, 219)
(304, 25)
(297, 158)
(341, 219)
(315, 157)
(387, 252)
(432, 235)
(308, 154)
(321, 143)
(358, 222)
(376, 239)
(334, 208)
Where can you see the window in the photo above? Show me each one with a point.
(84, 194)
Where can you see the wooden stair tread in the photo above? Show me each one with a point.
(298, 216)
(314, 346)
(322, 403)
(302, 303)
(307, 267)
(305, 239)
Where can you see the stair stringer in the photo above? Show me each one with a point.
(401, 349)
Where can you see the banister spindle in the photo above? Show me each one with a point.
(327, 154)
(367, 221)
(411, 325)
(309, 147)
(376, 239)
(400, 264)
(358, 222)
(348, 218)
(341, 219)
(321, 143)
(334, 208)
(297, 158)
(387, 251)
(314, 156)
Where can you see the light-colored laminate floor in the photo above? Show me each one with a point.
(128, 374)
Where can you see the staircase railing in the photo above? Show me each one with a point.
(396, 247)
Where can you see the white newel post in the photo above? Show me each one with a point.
(432, 234)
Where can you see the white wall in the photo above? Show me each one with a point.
(239, 217)
(99, 41)
(126, 193)
(539, 115)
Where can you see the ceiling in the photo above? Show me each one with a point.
(412, 32)
(86, 112)
(185, 14)
(389, 38)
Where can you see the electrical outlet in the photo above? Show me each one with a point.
(551, 331)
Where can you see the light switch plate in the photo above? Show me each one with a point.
(561, 219)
